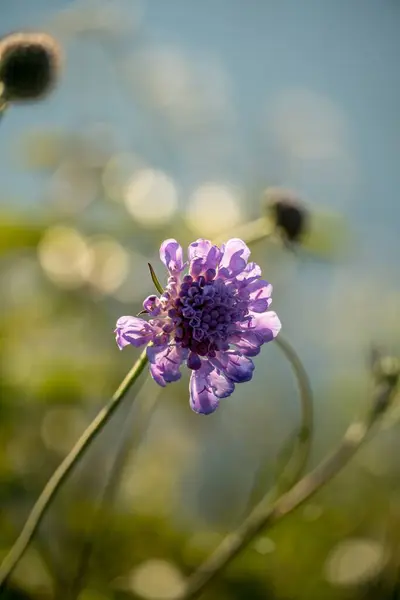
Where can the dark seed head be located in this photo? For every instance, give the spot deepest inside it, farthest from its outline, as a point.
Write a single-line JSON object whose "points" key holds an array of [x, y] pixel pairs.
{"points": [[288, 213], [29, 66]]}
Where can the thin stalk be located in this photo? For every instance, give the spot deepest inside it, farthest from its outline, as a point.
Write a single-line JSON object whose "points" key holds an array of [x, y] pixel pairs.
{"points": [[124, 449], [297, 461], [49, 492], [299, 457], [3, 101], [268, 515], [251, 232]]}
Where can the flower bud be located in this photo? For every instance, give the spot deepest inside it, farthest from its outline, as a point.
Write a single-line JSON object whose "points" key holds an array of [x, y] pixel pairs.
{"points": [[29, 66], [287, 212]]}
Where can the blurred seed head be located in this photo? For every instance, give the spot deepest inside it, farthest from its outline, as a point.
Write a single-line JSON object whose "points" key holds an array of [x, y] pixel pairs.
{"points": [[385, 367], [287, 212], [29, 66]]}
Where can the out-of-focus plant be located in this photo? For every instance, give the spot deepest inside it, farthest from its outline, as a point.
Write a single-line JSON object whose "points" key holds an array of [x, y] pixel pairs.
{"points": [[29, 67], [386, 372], [84, 267], [202, 256]]}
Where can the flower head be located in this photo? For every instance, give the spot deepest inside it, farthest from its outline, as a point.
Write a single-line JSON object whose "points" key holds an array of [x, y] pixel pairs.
{"points": [[213, 315], [29, 65], [288, 213]]}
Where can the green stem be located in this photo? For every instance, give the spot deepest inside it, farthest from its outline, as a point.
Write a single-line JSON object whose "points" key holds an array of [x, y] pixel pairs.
{"points": [[251, 232], [99, 522], [46, 497], [299, 457], [293, 467], [3, 101], [267, 515]]}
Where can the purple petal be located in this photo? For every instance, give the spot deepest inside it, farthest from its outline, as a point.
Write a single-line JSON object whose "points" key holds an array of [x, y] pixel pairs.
{"points": [[153, 305], [199, 249], [202, 397], [134, 331], [196, 267], [234, 259], [259, 295], [266, 325], [248, 343], [203, 256], [194, 361], [157, 375], [172, 256], [250, 273], [235, 366], [213, 258], [221, 385], [165, 362]]}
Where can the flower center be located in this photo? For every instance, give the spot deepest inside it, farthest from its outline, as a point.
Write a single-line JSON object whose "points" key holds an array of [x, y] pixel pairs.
{"points": [[205, 313]]}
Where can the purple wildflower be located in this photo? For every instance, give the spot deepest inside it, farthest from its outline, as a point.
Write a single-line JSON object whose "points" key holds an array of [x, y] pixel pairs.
{"points": [[215, 318]]}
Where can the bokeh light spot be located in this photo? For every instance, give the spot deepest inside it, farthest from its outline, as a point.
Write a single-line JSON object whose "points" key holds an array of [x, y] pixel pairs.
{"points": [[72, 188], [117, 174], [213, 208], [312, 512], [151, 198], [64, 256], [156, 580], [264, 545], [355, 561], [109, 264]]}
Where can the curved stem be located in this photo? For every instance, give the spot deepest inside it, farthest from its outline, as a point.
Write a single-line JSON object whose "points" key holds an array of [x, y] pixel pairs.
{"points": [[266, 516], [290, 474], [295, 465], [46, 497], [299, 457]]}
